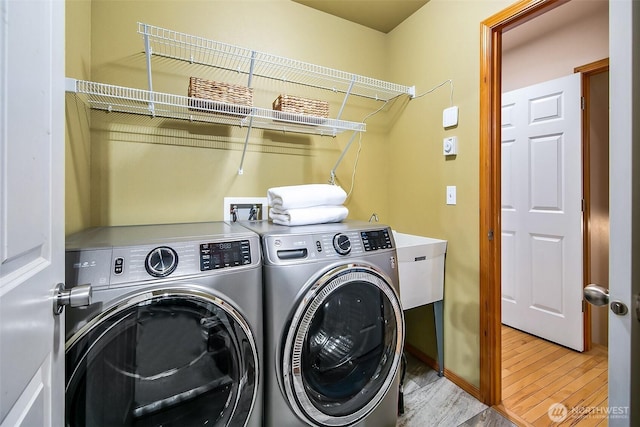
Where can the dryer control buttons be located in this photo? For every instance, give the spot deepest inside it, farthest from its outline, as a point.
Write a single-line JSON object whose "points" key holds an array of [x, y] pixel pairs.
{"points": [[161, 261], [342, 244]]}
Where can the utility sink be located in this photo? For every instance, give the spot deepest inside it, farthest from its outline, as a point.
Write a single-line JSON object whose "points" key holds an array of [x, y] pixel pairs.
{"points": [[421, 269]]}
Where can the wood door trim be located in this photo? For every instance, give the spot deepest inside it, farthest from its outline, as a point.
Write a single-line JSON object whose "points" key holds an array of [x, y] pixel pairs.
{"points": [[586, 71], [490, 232]]}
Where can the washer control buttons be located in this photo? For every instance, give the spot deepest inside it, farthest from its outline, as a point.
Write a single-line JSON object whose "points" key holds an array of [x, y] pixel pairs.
{"points": [[161, 261], [342, 244], [224, 254], [376, 239], [118, 267], [318, 246]]}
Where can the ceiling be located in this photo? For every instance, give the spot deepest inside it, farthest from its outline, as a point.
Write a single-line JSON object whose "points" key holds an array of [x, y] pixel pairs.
{"points": [[381, 15]]}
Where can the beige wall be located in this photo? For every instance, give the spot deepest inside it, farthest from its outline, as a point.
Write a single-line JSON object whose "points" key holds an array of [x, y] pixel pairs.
{"points": [[78, 146], [440, 42], [540, 50], [154, 170], [146, 170]]}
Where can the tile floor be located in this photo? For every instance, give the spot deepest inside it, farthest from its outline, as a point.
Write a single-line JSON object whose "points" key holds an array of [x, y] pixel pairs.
{"points": [[431, 401]]}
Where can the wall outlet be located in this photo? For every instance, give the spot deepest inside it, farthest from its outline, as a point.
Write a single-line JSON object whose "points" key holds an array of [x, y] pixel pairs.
{"points": [[244, 208]]}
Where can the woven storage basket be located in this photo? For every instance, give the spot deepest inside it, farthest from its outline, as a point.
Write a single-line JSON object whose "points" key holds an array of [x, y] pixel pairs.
{"points": [[301, 106], [229, 98]]}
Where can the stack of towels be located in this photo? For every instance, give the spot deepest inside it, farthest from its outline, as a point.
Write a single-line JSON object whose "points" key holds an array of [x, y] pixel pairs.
{"points": [[307, 204]]}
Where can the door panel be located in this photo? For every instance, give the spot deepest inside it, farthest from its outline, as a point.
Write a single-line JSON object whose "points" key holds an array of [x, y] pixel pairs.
{"points": [[624, 211], [31, 211], [542, 211]]}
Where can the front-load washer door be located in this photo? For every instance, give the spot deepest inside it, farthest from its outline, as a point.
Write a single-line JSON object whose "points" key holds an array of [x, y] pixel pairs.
{"points": [[344, 346], [172, 357]]}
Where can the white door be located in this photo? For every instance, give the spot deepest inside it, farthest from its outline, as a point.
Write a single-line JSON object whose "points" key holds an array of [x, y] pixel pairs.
{"points": [[542, 211], [31, 211], [624, 213]]}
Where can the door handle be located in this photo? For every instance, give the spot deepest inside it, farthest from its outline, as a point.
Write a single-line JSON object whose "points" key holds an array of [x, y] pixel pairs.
{"points": [[596, 295], [599, 296], [78, 296]]}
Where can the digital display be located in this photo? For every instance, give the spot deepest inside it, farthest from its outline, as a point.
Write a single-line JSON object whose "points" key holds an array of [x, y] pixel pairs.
{"points": [[224, 254], [376, 239]]}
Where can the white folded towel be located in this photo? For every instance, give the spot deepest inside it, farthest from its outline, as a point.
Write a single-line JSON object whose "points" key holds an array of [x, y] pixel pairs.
{"points": [[304, 196], [306, 216]]}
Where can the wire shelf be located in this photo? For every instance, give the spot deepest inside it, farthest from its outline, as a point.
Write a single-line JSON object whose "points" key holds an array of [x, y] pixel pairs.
{"points": [[198, 50], [107, 97]]}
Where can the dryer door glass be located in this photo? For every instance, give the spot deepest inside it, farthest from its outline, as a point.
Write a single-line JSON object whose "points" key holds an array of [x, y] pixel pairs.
{"points": [[170, 359], [346, 347]]}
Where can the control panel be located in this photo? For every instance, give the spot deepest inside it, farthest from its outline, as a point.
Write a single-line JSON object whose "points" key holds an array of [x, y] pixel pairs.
{"points": [[376, 239], [224, 254], [347, 243], [122, 265]]}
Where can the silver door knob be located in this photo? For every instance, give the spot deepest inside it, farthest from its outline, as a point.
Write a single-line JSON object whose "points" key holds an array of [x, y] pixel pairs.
{"points": [[596, 295], [599, 296], [78, 296]]}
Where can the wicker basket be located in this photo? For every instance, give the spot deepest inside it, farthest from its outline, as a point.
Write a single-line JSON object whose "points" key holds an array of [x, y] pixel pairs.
{"points": [[225, 98], [301, 106]]}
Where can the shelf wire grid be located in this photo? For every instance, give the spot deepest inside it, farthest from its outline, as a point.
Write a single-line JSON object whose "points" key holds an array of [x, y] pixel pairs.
{"points": [[107, 97], [199, 50]]}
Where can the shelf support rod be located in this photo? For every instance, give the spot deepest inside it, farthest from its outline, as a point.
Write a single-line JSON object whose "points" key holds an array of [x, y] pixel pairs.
{"points": [[246, 142], [251, 67], [246, 138], [147, 51], [332, 178], [346, 96]]}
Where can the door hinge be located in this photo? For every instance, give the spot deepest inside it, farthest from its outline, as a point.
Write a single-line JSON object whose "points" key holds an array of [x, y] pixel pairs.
{"points": [[583, 205], [582, 103], [490, 235]]}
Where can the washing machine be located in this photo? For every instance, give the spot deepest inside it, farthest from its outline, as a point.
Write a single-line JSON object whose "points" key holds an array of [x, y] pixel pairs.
{"points": [[173, 333], [334, 327]]}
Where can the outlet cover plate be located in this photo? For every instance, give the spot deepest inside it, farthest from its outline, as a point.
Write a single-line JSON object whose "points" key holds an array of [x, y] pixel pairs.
{"points": [[450, 117]]}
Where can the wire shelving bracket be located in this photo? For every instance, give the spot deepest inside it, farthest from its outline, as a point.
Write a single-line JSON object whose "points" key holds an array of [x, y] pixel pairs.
{"points": [[198, 50]]}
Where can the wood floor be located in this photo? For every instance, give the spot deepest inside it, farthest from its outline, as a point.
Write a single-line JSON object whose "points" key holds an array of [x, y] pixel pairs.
{"points": [[537, 374]]}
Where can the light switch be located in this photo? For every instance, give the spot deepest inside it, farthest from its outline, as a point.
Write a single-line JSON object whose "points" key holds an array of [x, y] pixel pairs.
{"points": [[451, 194]]}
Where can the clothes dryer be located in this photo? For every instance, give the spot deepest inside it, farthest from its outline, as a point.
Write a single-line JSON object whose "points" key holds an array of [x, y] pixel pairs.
{"points": [[334, 326], [173, 335]]}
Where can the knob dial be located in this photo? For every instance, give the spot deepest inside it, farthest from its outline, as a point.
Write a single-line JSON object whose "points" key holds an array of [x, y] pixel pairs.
{"points": [[161, 261], [342, 244]]}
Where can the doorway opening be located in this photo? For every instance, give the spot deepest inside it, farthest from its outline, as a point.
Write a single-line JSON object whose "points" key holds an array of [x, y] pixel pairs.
{"points": [[490, 190]]}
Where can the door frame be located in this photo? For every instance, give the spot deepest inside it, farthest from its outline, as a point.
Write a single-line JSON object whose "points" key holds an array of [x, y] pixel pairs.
{"points": [[586, 71], [490, 188]]}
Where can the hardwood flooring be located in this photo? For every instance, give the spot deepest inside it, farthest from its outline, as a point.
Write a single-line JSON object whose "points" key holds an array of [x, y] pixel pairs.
{"points": [[537, 374]]}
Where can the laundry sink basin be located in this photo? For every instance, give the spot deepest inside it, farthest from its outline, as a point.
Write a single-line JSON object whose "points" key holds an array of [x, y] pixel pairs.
{"points": [[421, 269]]}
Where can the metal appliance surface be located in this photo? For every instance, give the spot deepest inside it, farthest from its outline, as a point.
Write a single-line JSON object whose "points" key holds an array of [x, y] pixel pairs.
{"points": [[334, 327], [173, 334]]}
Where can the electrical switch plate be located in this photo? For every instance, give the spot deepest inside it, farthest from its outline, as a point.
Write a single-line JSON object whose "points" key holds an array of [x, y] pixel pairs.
{"points": [[450, 146], [451, 194], [244, 208], [450, 117]]}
